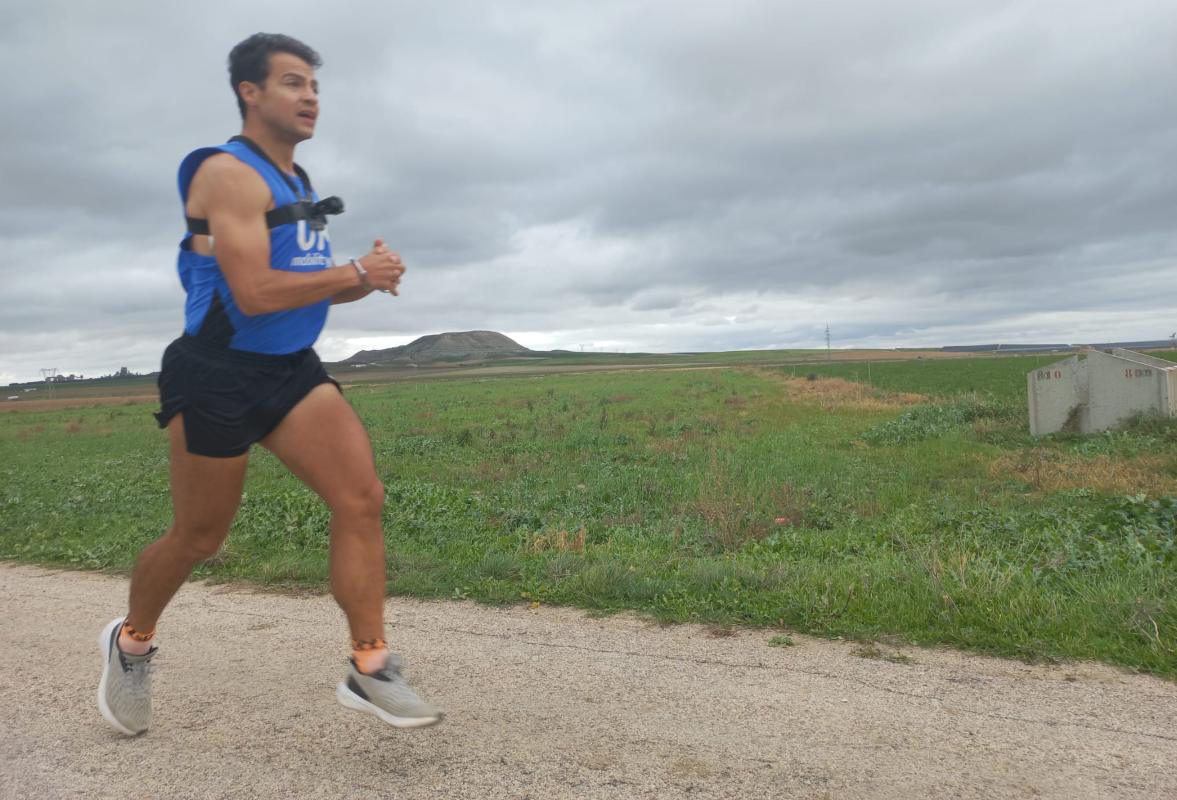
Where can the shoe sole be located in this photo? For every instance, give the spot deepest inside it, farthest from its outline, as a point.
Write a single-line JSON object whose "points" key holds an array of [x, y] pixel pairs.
{"points": [[104, 649], [349, 699]]}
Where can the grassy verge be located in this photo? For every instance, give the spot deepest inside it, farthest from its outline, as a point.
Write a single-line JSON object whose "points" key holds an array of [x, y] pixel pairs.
{"points": [[913, 506]]}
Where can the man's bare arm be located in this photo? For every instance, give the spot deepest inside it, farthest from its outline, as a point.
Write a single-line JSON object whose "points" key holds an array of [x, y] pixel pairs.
{"points": [[351, 295], [234, 198]]}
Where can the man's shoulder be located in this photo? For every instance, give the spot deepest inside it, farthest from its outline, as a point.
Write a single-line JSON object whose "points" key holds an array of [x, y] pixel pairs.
{"points": [[226, 171], [225, 165]]}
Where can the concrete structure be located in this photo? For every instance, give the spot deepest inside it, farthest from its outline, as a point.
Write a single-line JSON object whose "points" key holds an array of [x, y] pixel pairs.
{"points": [[1100, 391], [1058, 397]]}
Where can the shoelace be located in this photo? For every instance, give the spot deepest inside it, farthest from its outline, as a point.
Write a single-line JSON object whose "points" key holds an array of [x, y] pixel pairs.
{"points": [[128, 665], [139, 687]]}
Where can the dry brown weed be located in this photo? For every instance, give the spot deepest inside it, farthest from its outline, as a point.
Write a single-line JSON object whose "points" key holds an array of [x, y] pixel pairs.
{"points": [[561, 541], [837, 393], [1049, 471]]}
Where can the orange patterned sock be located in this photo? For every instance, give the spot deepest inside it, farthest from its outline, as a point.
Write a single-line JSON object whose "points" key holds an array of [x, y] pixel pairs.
{"points": [[133, 641], [369, 654]]}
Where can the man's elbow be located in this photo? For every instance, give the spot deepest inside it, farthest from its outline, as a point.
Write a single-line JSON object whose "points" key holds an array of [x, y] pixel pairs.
{"points": [[246, 305], [251, 304]]}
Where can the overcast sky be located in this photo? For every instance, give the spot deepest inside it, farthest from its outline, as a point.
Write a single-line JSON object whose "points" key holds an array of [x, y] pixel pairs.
{"points": [[652, 176]]}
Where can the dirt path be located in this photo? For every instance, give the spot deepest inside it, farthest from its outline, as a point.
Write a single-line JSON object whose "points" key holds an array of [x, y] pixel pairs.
{"points": [[549, 703], [18, 406]]}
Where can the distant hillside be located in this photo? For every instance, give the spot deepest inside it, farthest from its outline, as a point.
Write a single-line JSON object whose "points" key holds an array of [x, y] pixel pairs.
{"points": [[1156, 344], [442, 347]]}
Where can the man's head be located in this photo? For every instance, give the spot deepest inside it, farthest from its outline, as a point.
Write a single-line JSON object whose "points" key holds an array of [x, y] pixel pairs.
{"points": [[274, 75]]}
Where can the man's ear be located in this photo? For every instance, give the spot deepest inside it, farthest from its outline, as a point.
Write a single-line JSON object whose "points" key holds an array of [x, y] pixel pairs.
{"points": [[248, 90]]}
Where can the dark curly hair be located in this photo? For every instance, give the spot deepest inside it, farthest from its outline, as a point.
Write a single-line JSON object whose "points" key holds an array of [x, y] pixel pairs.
{"points": [[250, 59]]}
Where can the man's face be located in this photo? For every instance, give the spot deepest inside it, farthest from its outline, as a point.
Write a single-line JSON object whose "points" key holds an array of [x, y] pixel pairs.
{"points": [[288, 100]]}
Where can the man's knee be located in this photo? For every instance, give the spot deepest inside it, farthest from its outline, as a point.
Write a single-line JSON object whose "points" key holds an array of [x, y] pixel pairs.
{"points": [[200, 542], [363, 500]]}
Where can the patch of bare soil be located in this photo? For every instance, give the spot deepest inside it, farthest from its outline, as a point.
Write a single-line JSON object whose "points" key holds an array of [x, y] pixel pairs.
{"points": [[16, 406]]}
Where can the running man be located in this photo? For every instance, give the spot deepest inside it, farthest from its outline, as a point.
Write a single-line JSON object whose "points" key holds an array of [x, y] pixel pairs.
{"points": [[257, 268]]}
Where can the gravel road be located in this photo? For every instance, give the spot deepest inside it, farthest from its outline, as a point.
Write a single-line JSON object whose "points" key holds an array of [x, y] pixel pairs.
{"points": [[551, 703]]}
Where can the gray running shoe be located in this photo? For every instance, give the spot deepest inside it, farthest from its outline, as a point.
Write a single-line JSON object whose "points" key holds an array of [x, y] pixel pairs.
{"points": [[386, 695], [124, 693]]}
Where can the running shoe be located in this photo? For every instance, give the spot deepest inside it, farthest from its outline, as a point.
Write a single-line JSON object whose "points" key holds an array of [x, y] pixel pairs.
{"points": [[124, 693], [386, 694]]}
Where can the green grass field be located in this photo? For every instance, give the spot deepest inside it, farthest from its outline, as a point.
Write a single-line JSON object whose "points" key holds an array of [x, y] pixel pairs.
{"points": [[738, 495]]}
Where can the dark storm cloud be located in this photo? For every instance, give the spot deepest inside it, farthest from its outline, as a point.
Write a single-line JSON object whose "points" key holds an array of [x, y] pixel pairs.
{"points": [[639, 175]]}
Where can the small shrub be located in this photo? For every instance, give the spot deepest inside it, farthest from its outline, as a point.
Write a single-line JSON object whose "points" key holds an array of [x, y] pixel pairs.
{"points": [[498, 566], [931, 421], [563, 565], [1142, 529]]}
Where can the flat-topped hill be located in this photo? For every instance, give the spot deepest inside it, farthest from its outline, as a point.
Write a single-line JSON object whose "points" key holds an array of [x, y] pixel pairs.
{"points": [[457, 346]]}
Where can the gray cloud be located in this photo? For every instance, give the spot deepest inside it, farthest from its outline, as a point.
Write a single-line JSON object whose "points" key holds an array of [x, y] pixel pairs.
{"points": [[649, 175]]}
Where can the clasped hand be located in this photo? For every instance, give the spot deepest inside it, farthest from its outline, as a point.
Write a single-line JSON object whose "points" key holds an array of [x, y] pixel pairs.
{"points": [[384, 267]]}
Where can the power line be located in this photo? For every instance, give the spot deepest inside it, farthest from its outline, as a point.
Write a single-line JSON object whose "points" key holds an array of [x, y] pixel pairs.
{"points": [[47, 375]]}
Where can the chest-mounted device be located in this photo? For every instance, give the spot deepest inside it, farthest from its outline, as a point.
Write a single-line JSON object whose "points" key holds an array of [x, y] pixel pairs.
{"points": [[315, 213]]}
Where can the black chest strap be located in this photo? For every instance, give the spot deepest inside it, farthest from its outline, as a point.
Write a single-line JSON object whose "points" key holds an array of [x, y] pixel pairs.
{"points": [[305, 208]]}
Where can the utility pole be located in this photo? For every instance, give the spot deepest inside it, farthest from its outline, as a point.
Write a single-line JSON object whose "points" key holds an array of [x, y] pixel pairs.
{"points": [[47, 375]]}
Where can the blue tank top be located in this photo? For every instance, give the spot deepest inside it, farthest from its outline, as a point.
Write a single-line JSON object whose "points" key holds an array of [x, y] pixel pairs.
{"points": [[210, 313]]}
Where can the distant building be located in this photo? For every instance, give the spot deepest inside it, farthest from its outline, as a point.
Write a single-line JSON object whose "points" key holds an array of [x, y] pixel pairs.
{"points": [[1156, 344]]}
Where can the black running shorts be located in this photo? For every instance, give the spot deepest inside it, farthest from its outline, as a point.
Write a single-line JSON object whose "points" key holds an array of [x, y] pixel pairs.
{"points": [[231, 398]]}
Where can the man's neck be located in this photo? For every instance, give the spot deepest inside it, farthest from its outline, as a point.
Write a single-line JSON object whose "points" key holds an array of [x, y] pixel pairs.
{"points": [[280, 151]]}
